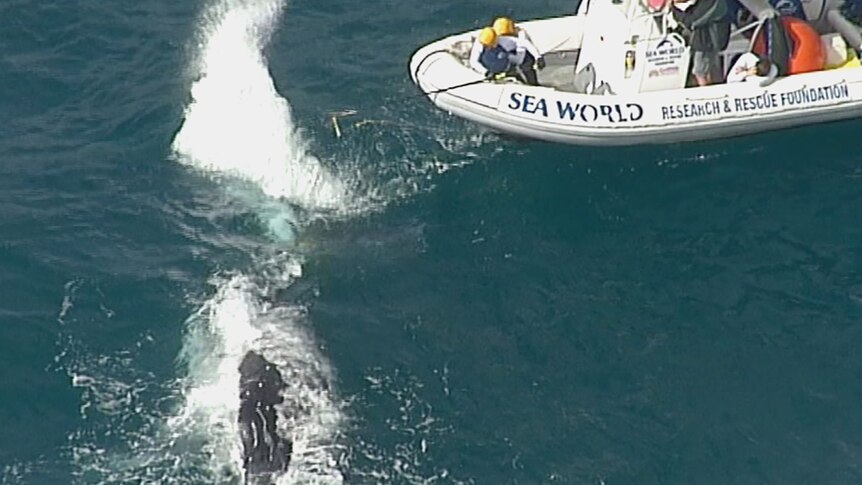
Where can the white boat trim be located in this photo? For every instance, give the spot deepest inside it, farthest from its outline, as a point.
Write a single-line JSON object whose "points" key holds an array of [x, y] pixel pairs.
{"points": [[665, 116]]}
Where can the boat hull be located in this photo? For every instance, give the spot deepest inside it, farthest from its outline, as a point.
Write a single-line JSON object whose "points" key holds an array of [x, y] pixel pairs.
{"points": [[670, 116]]}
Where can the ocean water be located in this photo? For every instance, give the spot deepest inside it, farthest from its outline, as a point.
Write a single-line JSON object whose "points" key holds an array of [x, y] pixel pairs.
{"points": [[447, 305]]}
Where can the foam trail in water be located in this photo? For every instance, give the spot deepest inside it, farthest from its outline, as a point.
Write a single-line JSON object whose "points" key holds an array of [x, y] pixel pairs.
{"points": [[238, 318], [238, 124], [189, 434]]}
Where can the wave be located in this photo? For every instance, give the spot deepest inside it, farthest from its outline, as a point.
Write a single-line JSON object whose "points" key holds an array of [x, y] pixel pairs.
{"points": [[237, 124], [143, 430], [240, 317], [238, 130]]}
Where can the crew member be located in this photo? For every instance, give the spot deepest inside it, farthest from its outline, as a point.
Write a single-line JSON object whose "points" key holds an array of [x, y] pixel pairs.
{"points": [[709, 28], [752, 68], [526, 56], [488, 56]]}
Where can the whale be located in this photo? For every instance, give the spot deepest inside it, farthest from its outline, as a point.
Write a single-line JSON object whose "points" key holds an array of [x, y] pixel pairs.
{"points": [[265, 453]]}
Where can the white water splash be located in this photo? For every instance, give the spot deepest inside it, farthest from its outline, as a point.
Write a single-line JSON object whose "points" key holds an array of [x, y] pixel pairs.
{"points": [[237, 124], [189, 434], [236, 319]]}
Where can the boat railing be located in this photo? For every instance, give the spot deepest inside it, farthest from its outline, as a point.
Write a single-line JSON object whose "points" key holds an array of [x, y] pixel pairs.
{"points": [[665, 23], [757, 26], [736, 46]]}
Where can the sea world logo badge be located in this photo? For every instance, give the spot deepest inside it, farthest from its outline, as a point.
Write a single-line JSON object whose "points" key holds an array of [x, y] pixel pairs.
{"points": [[579, 113], [665, 52]]}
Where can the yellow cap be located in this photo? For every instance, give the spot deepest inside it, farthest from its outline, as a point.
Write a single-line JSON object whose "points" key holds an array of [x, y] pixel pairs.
{"points": [[487, 37], [504, 26]]}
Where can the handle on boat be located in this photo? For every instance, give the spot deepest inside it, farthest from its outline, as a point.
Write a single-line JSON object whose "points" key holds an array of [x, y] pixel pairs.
{"points": [[438, 91]]}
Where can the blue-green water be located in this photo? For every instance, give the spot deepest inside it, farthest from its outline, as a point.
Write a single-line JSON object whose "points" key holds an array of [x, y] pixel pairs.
{"points": [[449, 306]]}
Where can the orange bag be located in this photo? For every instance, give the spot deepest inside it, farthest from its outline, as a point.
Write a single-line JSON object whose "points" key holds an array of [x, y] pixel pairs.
{"points": [[807, 55]]}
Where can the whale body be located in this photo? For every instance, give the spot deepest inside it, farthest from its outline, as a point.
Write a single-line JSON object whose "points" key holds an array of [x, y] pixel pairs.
{"points": [[265, 453]]}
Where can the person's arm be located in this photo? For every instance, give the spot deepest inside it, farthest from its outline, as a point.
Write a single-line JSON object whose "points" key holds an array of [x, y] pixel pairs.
{"points": [[681, 13], [706, 11], [529, 47], [475, 63], [739, 70]]}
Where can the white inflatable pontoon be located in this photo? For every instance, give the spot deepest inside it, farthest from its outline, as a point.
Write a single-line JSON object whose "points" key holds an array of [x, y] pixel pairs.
{"points": [[646, 101]]}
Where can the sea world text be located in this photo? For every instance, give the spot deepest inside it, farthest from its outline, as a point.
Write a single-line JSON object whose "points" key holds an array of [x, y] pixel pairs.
{"points": [[578, 112], [764, 101]]}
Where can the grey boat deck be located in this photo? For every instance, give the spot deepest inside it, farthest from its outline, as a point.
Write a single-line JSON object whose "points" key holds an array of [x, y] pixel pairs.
{"points": [[559, 71]]}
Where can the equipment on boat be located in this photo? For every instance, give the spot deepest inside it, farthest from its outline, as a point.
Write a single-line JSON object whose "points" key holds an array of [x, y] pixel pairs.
{"points": [[617, 73]]}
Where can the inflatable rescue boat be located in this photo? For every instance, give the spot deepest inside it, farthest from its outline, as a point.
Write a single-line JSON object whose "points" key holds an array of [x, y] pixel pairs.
{"points": [[630, 49]]}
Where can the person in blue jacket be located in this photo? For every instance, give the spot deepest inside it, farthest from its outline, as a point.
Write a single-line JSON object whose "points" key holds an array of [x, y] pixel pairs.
{"points": [[488, 56], [526, 56]]}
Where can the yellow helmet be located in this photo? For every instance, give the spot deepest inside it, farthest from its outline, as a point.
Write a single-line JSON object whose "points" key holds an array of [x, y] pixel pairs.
{"points": [[487, 37], [504, 26]]}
